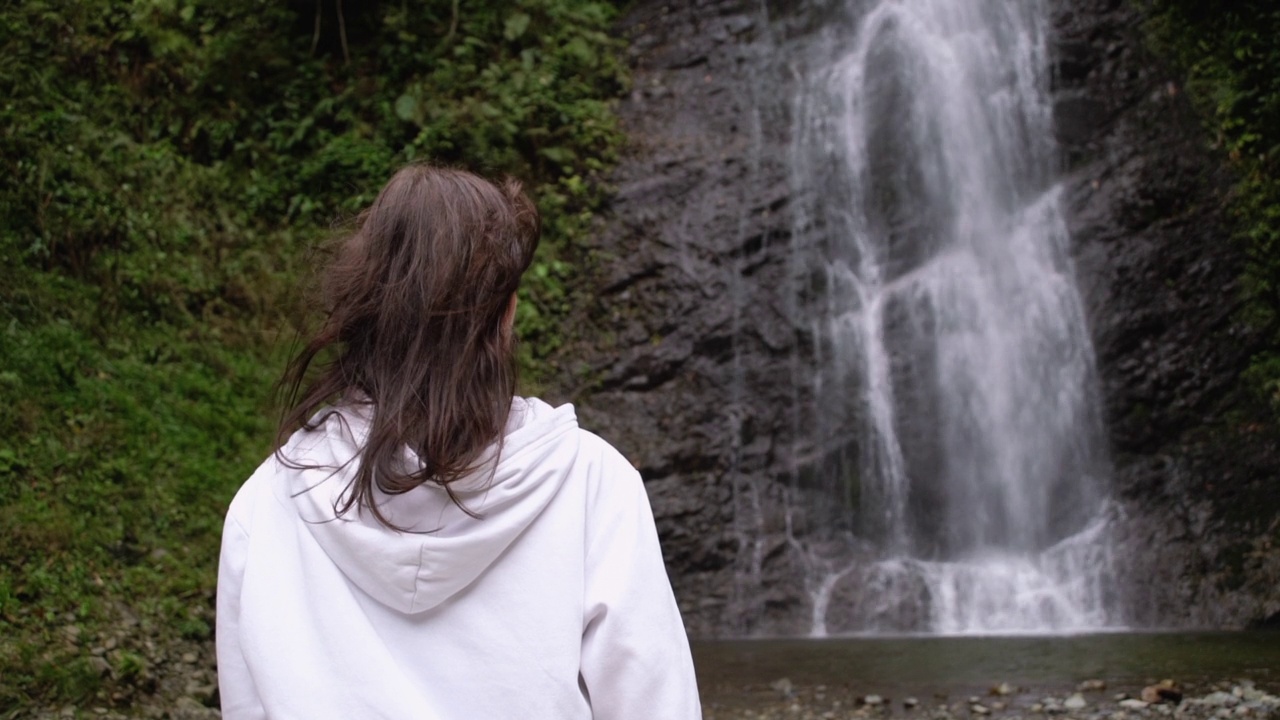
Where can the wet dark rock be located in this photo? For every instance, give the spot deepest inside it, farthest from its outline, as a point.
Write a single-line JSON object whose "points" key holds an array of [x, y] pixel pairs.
{"points": [[1271, 622], [1166, 691], [1078, 117], [688, 362], [1160, 277]]}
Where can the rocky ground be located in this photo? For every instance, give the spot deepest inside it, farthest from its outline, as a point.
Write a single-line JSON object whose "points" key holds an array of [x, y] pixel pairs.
{"points": [[187, 693], [1092, 700]]}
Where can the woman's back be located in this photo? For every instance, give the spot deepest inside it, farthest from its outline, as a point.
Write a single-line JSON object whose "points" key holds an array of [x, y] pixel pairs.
{"points": [[459, 617], [426, 546]]}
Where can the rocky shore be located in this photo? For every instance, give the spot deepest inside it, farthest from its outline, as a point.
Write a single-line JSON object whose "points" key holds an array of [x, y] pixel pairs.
{"points": [[784, 700], [1091, 700]]}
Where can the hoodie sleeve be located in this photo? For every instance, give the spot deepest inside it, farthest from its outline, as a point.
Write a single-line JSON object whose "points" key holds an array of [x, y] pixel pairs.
{"points": [[236, 689], [635, 655]]}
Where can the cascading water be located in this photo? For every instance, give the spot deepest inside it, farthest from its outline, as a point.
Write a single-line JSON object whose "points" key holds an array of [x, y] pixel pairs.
{"points": [[956, 405]]}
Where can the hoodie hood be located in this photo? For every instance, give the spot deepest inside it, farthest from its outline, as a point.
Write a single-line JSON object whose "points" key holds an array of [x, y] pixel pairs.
{"points": [[442, 550]]}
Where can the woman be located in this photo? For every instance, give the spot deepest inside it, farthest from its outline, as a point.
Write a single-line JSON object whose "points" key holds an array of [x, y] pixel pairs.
{"points": [[427, 545]]}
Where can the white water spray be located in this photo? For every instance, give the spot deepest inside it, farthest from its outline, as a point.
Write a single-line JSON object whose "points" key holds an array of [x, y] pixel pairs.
{"points": [[955, 358]]}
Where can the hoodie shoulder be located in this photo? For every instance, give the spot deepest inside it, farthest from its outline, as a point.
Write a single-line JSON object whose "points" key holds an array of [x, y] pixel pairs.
{"points": [[611, 479], [597, 448], [241, 510]]}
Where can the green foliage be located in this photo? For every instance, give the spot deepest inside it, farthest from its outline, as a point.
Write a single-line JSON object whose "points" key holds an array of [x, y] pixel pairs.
{"points": [[528, 92], [1231, 56], [164, 166]]}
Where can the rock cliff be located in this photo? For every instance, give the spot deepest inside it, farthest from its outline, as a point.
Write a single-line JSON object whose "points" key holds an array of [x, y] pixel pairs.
{"points": [[690, 351], [691, 356]]}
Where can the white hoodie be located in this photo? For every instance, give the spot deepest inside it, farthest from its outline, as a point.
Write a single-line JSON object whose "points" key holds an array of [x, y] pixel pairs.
{"points": [[553, 604]]}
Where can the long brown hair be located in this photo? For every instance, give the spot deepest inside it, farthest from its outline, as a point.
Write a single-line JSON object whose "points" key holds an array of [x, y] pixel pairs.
{"points": [[415, 300]]}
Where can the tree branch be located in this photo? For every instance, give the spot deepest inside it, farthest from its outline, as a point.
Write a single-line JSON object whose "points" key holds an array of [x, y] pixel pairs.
{"points": [[342, 33]]}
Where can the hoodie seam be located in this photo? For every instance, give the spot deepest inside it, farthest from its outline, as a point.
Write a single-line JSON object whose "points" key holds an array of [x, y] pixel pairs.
{"points": [[561, 427], [417, 579], [233, 520]]}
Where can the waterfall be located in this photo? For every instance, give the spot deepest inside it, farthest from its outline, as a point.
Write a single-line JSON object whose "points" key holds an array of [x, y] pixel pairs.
{"points": [[956, 413]]}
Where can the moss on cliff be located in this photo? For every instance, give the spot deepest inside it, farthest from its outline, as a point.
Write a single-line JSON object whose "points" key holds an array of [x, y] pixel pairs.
{"points": [[1230, 56]]}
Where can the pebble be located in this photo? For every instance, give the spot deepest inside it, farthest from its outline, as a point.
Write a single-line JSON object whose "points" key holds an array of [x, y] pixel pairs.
{"points": [[873, 700], [1252, 694], [188, 709], [1003, 688], [1133, 704], [1163, 691], [189, 658], [1075, 702], [979, 710], [99, 665], [1220, 699], [1093, 685]]}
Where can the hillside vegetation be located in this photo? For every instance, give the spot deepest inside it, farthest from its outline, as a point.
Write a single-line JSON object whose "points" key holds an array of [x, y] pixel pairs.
{"points": [[1229, 54], [166, 167]]}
